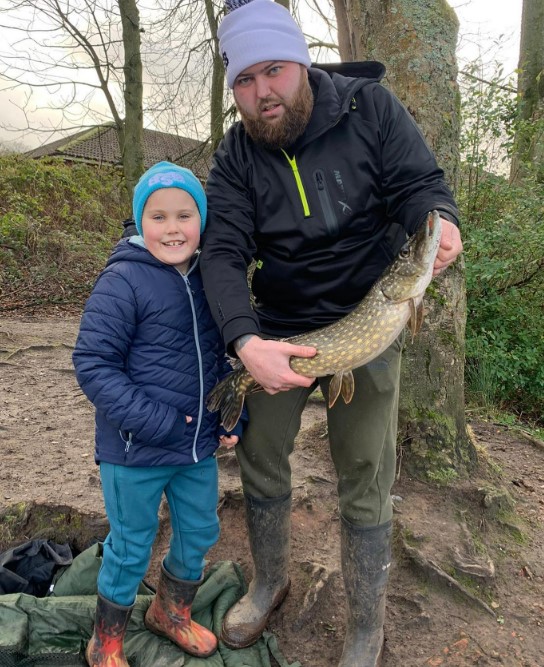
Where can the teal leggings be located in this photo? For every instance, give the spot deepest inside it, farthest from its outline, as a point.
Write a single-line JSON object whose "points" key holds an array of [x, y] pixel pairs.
{"points": [[132, 497], [362, 437]]}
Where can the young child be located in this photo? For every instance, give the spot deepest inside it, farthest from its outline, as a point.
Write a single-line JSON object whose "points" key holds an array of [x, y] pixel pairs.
{"points": [[147, 354]]}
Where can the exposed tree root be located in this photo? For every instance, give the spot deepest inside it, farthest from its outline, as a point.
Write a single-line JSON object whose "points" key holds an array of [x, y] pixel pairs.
{"points": [[434, 572], [469, 562], [530, 438]]}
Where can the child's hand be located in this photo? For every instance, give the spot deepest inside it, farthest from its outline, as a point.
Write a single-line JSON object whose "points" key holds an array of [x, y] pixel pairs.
{"points": [[229, 441]]}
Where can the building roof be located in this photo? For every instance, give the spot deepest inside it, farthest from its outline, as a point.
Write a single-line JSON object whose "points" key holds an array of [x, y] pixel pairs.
{"points": [[100, 145]]}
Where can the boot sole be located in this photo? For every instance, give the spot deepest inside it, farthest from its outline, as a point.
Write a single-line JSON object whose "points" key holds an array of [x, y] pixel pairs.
{"points": [[254, 637]]}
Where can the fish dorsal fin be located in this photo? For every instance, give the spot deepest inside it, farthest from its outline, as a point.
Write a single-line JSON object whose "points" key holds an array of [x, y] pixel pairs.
{"points": [[341, 383], [417, 315]]}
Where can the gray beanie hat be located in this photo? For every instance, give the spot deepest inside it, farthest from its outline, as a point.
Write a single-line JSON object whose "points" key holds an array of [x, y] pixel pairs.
{"points": [[256, 31]]}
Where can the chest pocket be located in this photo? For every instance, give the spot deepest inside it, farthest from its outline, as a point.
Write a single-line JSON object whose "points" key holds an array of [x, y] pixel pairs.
{"points": [[323, 194]]}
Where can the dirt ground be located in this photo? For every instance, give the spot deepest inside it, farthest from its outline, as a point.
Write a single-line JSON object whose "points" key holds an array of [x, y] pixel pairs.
{"points": [[468, 577]]}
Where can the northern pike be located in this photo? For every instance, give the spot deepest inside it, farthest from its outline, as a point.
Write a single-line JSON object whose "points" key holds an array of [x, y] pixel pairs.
{"points": [[393, 301]]}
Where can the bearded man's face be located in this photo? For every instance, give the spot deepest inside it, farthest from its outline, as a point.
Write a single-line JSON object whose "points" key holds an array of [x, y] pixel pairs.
{"points": [[275, 102]]}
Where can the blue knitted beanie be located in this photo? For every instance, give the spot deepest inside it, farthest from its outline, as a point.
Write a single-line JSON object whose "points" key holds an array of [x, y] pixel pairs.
{"points": [[167, 175]]}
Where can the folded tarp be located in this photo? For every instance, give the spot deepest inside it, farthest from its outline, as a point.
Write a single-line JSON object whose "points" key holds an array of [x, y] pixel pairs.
{"points": [[40, 632]]}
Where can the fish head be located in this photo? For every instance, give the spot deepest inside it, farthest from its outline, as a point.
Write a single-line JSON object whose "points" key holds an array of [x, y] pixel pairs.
{"points": [[412, 270]]}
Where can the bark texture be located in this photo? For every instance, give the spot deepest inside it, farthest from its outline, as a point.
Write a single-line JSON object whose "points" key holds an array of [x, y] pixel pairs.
{"points": [[529, 151], [416, 40], [131, 130], [218, 81]]}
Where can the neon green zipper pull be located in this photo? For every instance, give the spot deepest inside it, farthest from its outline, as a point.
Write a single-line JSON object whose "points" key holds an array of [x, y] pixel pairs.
{"points": [[298, 180]]}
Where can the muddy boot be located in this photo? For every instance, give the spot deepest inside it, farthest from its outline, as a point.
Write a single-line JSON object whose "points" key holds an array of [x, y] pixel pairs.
{"points": [[269, 525], [169, 615], [366, 558], [105, 649]]}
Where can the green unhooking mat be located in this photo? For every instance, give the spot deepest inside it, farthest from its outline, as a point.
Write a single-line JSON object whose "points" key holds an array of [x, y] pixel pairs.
{"points": [[54, 630]]}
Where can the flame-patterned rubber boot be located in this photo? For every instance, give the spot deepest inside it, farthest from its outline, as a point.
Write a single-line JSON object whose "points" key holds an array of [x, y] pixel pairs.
{"points": [[169, 615], [105, 649]]}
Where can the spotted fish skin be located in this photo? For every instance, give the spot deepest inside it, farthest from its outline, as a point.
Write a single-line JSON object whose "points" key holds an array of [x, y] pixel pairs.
{"points": [[353, 341]]}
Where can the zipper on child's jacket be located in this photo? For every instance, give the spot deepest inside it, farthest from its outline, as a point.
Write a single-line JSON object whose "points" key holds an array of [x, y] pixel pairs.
{"points": [[200, 364], [128, 442]]}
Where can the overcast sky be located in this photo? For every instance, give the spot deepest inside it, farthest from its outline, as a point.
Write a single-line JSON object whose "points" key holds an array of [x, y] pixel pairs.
{"points": [[488, 28], [486, 23]]}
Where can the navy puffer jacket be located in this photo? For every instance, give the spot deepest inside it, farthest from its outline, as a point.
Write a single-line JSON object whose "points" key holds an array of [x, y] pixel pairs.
{"points": [[147, 354]]}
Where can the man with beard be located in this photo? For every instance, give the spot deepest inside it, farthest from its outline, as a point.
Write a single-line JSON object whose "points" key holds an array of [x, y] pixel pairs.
{"points": [[319, 184]]}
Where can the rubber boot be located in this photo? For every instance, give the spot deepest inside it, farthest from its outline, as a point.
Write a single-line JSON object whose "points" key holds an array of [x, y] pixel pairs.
{"points": [[366, 559], [269, 527], [169, 615], [105, 649]]}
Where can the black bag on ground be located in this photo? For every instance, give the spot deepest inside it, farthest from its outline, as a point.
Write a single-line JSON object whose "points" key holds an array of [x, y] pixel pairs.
{"points": [[30, 567]]}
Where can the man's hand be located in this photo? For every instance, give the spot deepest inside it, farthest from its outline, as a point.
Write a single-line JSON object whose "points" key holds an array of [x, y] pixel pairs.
{"points": [[268, 362], [450, 246]]}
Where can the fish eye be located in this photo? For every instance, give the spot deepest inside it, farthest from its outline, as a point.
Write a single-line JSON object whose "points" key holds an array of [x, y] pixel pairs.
{"points": [[405, 252]]}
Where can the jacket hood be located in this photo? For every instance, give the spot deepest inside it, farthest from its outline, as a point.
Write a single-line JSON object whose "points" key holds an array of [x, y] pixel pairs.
{"points": [[131, 250], [334, 86]]}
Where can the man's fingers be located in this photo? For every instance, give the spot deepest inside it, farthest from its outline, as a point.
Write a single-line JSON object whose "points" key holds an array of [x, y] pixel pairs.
{"points": [[302, 351]]}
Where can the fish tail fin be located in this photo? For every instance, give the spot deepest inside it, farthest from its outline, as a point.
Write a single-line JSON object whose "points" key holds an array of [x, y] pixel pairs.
{"points": [[228, 397]]}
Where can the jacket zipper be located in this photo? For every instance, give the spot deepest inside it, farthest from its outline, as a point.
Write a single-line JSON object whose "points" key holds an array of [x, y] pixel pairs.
{"points": [[200, 365], [300, 186], [324, 199], [127, 442]]}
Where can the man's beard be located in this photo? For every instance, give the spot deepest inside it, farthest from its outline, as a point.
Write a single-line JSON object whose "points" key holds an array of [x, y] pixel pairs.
{"points": [[290, 126]]}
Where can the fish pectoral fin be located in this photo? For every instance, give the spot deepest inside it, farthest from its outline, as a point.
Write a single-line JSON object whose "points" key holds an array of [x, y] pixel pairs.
{"points": [[348, 386], [335, 387], [417, 315]]}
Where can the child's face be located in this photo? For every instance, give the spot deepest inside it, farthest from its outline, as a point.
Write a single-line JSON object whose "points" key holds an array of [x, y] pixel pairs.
{"points": [[171, 227]]}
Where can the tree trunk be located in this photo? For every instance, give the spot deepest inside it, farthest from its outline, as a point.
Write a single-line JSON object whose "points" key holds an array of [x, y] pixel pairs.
{"points": [[529, 151], [218, 81], [416, 40], [346, 46], [131, 135]]}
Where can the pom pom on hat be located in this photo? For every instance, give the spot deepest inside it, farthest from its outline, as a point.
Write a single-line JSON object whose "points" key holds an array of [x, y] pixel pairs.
{"points": [[255, 31], [167, 175]]}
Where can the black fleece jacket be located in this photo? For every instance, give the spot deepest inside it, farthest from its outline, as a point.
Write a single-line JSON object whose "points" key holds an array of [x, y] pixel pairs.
{"points": [[322, 218]]}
